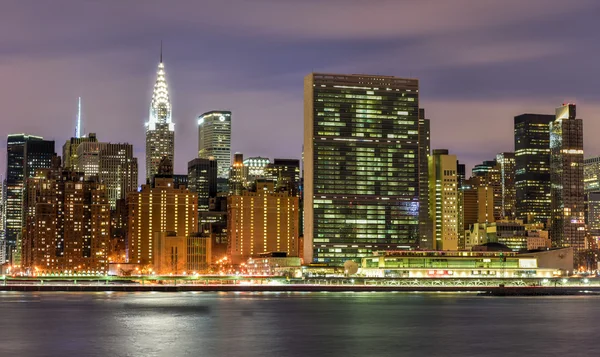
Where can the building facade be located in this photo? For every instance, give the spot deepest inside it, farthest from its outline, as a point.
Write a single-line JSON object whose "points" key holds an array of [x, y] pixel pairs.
{"points": [[567, 227], [591, 174], [532, 167], [214, 139], [160, 129], [425, 224], [361, 165], [286, 175], [202, 180], [67, 226], [262, 221], [506, 164], [69, 150], [238, 175], [443, 205], [256, 167], [113, 165], [593, 215], [158, 208], [488, 174], [25, 155]]}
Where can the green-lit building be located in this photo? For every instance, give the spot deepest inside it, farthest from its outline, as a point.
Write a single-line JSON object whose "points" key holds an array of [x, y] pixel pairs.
{"points": [[481, 264], [361, 166]]}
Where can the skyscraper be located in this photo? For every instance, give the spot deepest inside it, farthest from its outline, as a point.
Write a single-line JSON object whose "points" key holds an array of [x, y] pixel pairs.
{"points": [[488, 174], [25, 155], [214, 139], [361, 165], [286, 175], [461, 172], [591, 174], [238, 175], [202, 180], [532, 167], [567, 227], [160, 129], [70, 149], [425, 224], [506, 163], [443, 206], [113, 164], [591, 187]]}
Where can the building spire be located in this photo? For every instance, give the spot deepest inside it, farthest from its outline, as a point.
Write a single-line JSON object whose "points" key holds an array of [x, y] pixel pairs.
{"points": [[160, 51], [78, 125]]}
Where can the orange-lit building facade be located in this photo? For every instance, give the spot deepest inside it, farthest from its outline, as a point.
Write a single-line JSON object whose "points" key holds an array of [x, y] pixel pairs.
{"points": [[262, 221], [67, 224], [158, 208]]}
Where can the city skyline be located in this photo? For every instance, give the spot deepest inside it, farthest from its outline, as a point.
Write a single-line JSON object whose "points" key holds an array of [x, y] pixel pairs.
{"points": [[500, 77]]}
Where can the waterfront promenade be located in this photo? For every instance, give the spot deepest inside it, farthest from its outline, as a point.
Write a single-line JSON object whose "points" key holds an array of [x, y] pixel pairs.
{"points": [[492, 286]]}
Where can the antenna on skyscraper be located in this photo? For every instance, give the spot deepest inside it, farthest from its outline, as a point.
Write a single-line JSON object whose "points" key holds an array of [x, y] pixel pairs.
{"points": [[78, 125]]}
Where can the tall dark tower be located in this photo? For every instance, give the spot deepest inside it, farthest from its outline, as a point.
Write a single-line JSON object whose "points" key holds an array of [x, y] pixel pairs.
{"points": [[425, 225], [567, 227], [25, 155], [532, 167]]}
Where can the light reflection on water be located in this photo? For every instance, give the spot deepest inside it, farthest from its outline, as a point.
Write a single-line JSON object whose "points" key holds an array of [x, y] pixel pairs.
{"points": [[294, 324]]}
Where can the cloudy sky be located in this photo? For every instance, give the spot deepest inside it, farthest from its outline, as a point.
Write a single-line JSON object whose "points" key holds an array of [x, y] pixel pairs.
{"points": [[479, 62]]}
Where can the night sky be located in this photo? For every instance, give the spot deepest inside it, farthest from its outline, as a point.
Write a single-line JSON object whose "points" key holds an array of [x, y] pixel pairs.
{"points": [[479, 62]]}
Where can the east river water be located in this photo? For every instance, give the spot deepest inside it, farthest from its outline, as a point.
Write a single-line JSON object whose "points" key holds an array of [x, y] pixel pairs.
{"points": [[296, 324]]}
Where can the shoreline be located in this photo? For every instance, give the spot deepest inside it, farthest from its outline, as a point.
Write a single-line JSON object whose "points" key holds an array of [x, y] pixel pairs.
{"points": [[480, 290]]}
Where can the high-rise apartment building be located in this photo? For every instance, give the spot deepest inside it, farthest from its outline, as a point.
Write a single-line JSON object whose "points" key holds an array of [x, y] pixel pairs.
{"points": [[286, 175], [532, 167], [262, 221], [443, 206], [238, 175], [160, 129], [214, 139], [461, 171], [361, 165], [70, 149], [506, 164], [256, 167], [202, 180], [567, 228], [477, 203], [591, 186], [155, 209], [425, 224], [25, 155], [489, 174], [593, 215], [591, 174], [113, 165], [67, 225]]}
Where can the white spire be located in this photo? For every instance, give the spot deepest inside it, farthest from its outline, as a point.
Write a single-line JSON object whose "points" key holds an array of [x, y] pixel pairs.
{"points": [[78, 125], [160, 107]]}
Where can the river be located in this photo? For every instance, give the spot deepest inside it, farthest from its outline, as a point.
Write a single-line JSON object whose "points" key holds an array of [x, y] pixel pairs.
{"points": [[295, 324]]}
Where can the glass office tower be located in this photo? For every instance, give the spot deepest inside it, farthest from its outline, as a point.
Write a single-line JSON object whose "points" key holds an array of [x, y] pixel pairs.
{"points": [[567, 227], [25, 155], [361, 166], [532, 167], [214, 139]]}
